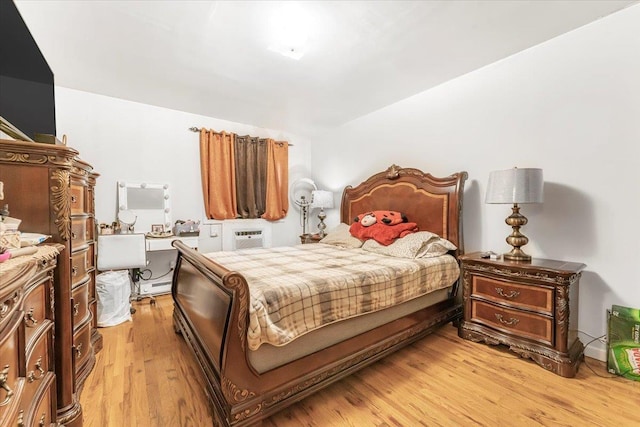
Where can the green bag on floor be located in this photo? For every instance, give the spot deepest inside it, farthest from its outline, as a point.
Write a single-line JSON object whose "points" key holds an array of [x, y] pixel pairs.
{"points": [[623, 355]]}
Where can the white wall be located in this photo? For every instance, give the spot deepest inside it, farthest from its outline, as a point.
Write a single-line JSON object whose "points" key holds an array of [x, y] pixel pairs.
{"points": [[129, 141], [570, 106]]}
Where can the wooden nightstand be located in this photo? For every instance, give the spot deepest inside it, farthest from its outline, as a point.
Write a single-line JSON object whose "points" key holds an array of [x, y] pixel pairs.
{"points": [[310, 238], [530, 307]]}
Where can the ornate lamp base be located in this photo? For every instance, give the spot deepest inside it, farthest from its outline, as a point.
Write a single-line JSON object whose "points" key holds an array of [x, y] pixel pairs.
{"points": [[516, 239], [322, 226]]}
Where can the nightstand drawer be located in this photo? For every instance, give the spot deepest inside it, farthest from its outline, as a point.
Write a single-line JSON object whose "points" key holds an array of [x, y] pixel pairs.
{"points": [[537, 298], [536, 327]]}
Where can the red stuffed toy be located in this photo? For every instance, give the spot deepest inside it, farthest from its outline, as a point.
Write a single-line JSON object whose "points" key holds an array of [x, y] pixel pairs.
{"points": [[387, 226]]}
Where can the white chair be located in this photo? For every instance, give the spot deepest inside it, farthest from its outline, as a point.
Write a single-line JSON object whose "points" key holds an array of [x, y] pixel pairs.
{"points": [[123, 252]]}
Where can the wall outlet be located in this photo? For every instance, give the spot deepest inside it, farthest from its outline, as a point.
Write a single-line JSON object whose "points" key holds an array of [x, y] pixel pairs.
{"points": [[603, 340]]}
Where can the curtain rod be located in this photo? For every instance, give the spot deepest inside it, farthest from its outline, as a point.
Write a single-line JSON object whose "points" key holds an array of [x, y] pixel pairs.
{"points": [[196, 129]]}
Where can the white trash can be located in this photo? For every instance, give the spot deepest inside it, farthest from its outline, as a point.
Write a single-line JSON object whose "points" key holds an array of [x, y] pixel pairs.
{"points": [[113, 290]]}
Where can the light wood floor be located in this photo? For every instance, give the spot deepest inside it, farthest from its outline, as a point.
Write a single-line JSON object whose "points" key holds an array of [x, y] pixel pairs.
{"points": [[146, 376]]}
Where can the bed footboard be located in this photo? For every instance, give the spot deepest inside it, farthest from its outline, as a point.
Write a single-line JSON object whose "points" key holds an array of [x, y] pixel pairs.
{"points": [[211, 312]]}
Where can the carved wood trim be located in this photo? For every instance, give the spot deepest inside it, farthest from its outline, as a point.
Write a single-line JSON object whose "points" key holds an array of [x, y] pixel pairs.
{"points": [[38, 159], [60, 201], [510, 274], [238, 284], [562, 310], [59, 161], [393, 172], [466, 283], [36, 153], [9, 303]]}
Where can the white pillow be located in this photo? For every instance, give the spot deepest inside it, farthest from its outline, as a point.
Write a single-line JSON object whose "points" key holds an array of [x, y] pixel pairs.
{"points": [[340, 236], [422, 244]]}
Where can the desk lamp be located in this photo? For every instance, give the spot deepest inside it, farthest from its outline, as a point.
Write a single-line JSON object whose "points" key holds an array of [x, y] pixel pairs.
{"points": [[324, 200], [515, 186]]}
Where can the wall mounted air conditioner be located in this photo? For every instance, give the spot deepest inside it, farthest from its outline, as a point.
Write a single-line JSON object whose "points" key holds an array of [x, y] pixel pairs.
{"points": [[234, 234], [247, 239]]}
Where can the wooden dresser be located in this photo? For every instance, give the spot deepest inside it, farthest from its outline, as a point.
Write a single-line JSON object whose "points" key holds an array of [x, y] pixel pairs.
{"points": [[531, 307], [27, 377], [51, 190]]}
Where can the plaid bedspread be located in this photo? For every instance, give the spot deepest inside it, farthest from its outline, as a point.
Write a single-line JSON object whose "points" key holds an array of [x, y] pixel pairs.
{"points": [[296, 289]]}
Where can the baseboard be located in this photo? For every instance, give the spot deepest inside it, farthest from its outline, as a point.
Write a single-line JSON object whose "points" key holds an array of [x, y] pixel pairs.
{"points": [[599, 353]]}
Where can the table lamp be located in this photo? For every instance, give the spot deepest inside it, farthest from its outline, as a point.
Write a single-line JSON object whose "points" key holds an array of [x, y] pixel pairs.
{"points": [[515, 186], [324, 200]]}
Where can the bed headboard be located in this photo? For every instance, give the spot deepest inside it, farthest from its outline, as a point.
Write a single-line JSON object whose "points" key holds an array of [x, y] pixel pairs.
{"points": [[435, 204]]}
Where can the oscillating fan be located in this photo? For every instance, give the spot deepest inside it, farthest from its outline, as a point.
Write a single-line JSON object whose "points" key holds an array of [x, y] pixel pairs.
{"points": [[300, 194]]}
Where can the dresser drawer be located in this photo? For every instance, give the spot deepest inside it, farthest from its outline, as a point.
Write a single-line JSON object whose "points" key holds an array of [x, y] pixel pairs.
{"points": [[80, 303], [536, 298], [520, 323], [37, 309], [38, 363], [82, 345], [79, 264], [77, 199], [11, 385], [79, 233], [40, 411]]}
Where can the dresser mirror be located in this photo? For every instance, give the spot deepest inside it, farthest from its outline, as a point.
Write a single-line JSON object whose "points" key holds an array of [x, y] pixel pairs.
{"points": [[148, 202]]}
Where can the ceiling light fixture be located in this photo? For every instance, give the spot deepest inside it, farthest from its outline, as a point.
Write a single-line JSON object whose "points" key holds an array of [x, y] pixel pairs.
{"points": [[290, 31]]}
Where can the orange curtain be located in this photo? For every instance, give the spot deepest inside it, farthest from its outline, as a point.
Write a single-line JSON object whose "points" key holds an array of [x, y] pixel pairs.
{"points": [[217, 166], [277, 203]]}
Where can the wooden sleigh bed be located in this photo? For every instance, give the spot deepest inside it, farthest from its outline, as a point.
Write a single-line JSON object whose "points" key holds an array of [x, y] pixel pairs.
{"points": [[212, 310]]}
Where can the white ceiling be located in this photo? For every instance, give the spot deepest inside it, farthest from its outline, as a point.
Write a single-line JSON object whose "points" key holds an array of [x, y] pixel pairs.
{"points": [[212, 57]]}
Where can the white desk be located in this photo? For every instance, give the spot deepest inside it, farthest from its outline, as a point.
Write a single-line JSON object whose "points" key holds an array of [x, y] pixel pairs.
{"points": [[161, 260], [163, 244]]}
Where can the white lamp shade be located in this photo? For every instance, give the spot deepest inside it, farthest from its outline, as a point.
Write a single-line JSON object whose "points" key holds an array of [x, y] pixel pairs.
{"points": [[515, 186], [322, 199]]}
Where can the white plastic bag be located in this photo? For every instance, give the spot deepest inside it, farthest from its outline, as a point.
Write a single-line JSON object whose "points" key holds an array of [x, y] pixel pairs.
{"points": [[113, 289]]}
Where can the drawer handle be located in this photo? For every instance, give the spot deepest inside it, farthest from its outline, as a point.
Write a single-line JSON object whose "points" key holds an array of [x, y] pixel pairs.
{"points": [[74, 236], [29, 320], [79, 350], [4, 376], [511, 322], [76, 308], [74, 270], [74, 199], [511, 294], [32, 375]]}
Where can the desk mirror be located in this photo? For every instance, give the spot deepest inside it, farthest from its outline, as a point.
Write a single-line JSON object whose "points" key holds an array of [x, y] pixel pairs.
{"points": [[150, 203]]}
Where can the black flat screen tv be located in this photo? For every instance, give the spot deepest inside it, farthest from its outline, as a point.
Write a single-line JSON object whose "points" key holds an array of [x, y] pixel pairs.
{"points": [[27, 98]]}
